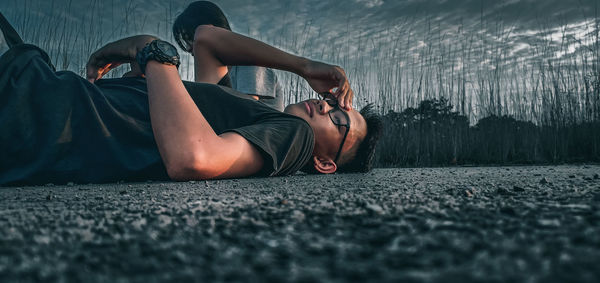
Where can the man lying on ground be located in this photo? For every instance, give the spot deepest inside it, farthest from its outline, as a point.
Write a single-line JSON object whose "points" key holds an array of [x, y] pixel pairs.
{"points": [[57, 127]]}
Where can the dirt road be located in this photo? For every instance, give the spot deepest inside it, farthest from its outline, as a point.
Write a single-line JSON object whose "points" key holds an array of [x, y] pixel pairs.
{"points": [[497, 224]]}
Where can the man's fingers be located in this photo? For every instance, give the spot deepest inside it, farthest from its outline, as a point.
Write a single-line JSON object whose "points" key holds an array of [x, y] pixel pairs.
{"points": [[92, 64], [347, 101], [93, 67], [342, 93], [345, 96], [343, 88], [91, 72], [349, 97], [92, 76], [341, 98], [96, 72]]}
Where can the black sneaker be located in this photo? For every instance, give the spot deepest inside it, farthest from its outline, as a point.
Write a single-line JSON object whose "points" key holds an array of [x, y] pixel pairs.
{"points": [[11, 37]]}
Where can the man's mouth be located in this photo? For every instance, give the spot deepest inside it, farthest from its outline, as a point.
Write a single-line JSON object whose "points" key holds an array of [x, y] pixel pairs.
{"points": [[308, 109]]}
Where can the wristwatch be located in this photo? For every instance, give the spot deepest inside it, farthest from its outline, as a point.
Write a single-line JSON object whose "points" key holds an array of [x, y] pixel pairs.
{"points": [[160, 51]]}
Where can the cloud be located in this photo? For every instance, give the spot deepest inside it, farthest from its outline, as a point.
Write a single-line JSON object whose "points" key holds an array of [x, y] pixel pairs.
{"points": [[370, 3]]}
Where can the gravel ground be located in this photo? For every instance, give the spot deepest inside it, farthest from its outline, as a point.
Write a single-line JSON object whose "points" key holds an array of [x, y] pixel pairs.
{"points": [[495, 224]]}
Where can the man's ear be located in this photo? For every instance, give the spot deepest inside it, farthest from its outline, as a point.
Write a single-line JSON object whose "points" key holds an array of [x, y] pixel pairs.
{"points": [[324, 165]]}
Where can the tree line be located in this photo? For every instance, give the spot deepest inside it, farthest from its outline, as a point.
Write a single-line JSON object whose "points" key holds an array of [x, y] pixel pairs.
{"points": [[434, 135]]}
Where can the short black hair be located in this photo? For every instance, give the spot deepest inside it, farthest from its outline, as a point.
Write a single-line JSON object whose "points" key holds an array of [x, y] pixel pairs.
{"points": [[365, 154], [196, 14]]}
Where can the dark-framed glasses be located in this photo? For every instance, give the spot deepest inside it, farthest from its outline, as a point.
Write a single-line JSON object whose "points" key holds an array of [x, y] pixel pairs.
{"points": [[339, 117]]}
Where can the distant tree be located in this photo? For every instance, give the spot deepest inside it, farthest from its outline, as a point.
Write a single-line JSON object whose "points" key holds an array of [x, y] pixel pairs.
{"points": [[430, 134], [434, 109]]}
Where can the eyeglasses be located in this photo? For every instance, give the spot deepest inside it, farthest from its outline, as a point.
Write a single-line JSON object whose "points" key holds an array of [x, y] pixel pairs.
{"points": [[339, 118]]}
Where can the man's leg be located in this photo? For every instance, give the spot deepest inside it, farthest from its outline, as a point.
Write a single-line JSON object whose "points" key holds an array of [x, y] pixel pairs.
{"points": [[9, 38]]}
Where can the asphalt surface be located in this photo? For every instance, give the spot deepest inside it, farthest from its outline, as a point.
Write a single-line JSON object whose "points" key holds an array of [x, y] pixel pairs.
{"points": [[496, 224]]}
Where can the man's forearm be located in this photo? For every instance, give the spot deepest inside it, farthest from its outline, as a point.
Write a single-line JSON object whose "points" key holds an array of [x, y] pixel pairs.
{"points": [[215, 48], [187, 143], [180, 129], [234, 49]]}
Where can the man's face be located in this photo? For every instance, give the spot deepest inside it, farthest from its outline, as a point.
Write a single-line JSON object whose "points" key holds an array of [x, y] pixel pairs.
{"points": [[328, 135]]}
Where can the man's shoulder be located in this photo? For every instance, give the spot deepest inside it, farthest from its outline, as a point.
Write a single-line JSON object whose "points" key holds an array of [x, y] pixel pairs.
{"points": [[286, 142]]}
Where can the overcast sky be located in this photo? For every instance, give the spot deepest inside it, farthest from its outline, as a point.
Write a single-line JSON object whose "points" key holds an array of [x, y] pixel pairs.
{"points": [[367, 37]]}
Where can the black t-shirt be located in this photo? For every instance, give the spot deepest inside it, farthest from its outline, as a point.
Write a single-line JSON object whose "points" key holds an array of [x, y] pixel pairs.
{"points": [[57, 127]]}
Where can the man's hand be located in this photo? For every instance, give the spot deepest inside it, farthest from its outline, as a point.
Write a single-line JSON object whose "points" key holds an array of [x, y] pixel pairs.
{"points": [[325, 78], [114, 54]]}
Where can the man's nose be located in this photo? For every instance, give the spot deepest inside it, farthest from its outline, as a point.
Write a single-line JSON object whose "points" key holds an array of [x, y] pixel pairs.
{"points": [[323, 106]]}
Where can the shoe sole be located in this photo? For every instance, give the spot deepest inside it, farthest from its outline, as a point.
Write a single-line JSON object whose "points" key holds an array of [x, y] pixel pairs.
{"points": [[11, 36]]}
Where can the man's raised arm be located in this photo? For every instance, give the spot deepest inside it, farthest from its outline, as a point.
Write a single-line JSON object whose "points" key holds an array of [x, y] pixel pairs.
{"points": [[214, 48]]}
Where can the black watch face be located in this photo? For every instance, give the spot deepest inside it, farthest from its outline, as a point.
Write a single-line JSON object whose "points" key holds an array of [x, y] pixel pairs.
{"points": [[166, 48]]}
